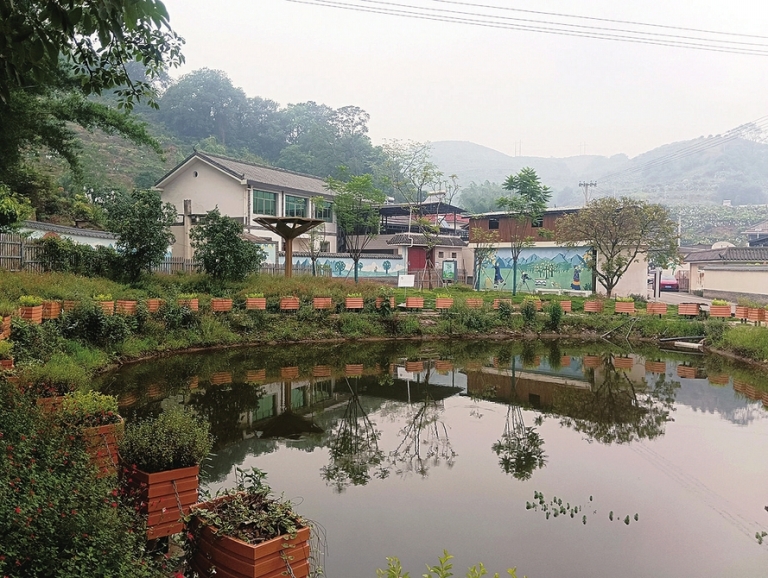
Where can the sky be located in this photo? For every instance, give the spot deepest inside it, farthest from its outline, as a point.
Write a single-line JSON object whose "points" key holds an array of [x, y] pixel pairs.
{"points": [[518, 92]]}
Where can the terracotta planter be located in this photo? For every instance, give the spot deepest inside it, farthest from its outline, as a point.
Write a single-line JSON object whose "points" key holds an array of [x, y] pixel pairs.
{"points": [[223, 556], [127, 400], [566, 306], [321, 371], [125, 307], [6, 363], [221, 378], [380, 302], [289, 304], [256, 303], [656, 309], [221, 305], [414, 302], [719, 310], [739, 385], [592, 361], [593, 306], [656, 367], [718, 379], [108, 307], [153, 305], [6, 327], [32, 314], [443, 365], [256, 376], [353, 370], [101, 443], [191, 304], [49, 404], [756, 314], [353, 303], [289, 372], [51, 309], [68, 305], [742, 312], [565, 361], [688, 309], [164, 498], [497, 302], [474, 303], [626, 307], [322, 303], [538, 304], [414, 366], [623, 362], [443, 302], [194, 382], [686, 372]]}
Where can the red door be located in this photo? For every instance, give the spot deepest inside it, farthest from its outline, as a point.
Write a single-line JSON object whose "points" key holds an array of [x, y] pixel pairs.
{"points": [[417, 258]]}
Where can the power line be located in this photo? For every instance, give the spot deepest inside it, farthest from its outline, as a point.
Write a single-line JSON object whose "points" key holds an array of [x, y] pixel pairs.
{"points": [[482, 20]]}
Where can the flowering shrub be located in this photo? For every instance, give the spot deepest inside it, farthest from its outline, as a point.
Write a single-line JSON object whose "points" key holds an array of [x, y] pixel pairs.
{"points": [[30, 301], [88, 409]]}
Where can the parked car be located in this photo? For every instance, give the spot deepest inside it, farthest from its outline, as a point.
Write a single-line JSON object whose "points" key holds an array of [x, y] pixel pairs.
{"points": [[668, 283]]}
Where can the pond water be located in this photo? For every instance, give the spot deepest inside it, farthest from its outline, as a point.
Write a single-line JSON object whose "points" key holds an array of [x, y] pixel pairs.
{"points": [[561, 459]]}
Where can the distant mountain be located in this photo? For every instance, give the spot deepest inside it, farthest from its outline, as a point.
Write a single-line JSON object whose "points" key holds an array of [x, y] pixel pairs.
{"points": [[703, 170]]}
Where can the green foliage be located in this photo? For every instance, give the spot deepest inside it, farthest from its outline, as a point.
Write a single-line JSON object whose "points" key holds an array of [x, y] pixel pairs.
{"points": [[6, 347], [174, 439], [88, 409], [443, 569], [35, 342], [142, 223], [746, 340], [176, 317], [357, 325], [66, 256], [528, 312], [719, 302], [90, 324], [13, 209], [30, 301], [221, 251], [625, 299], [505, 310], [60, 376], [555, 312], [103, 297]]}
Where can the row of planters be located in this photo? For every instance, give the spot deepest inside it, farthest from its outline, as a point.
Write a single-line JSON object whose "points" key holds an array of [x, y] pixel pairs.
{"points": [[240, 532]]}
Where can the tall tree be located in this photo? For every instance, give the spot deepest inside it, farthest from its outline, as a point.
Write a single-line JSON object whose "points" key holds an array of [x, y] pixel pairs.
{"points": [[356, 205], [524, 207], [619, 232], [142, 223]]}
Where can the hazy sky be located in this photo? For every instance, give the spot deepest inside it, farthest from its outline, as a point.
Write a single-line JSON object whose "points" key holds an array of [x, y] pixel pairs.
{"points": [[431, 81]]}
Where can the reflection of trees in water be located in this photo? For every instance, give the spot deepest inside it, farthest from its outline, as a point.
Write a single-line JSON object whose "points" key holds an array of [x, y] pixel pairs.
{"points": [[354, 447], [613, 410], [520, 448], [223, 406]]}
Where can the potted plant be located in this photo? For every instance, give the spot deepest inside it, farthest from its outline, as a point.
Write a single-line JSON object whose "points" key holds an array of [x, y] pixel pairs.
{"points": [[6, 357], [443, 302], [497, 302], [624, 305], [50, 383], [756, 314], [688, 309], [354, 301], [160, 464], [154, 304], [656, 308], [474, 302], [6, 310], [51, 309], [101, 426], [188, 300], [221, 304], [566, 306], [720, 308], [255, 301], [414, 302], [290, 303], [385, 294], [244, 531], [322, 302], [126, 306], [106, 303], [31, 309], [594, 306], [742, 310]]}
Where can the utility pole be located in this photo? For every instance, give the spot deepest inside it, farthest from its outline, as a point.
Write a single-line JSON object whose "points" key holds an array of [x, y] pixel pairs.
{"points": [[585, 185]]}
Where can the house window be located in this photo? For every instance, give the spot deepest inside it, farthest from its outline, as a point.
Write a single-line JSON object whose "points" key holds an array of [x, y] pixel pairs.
{"points": [[325, 246], [453, 255], [324, 211], [295, 206], [440, 255], [264, 203], [493, 224], [537, 222]]}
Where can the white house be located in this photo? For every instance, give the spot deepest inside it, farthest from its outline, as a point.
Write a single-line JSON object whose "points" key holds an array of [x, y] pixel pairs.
{"points": [[244, 191]]}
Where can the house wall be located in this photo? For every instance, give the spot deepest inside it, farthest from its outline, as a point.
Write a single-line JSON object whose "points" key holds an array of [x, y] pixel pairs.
{"points": [[507, 226], [731, 281], [80, 238], [343, 267], [633, 282]]}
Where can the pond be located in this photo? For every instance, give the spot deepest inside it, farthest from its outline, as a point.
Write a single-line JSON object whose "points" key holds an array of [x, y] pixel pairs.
{"points": [[561, 459]]}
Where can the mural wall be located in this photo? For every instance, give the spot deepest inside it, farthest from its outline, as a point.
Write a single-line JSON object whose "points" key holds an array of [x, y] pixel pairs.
{"points": [[538, 268], [368, 267]]}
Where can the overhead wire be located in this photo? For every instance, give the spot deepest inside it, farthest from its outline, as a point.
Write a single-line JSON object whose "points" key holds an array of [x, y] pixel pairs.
{"points": [[556, 28]]}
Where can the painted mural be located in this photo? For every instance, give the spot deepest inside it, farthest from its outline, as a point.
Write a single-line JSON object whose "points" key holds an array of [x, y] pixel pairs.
{"points": [[344, 266], [538, 268]]}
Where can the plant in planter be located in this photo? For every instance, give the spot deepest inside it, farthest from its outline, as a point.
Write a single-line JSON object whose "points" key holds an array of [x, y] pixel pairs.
{"points": [[6, 358], [51, 309], [290, 303], [101, 426], [354, 301], [624, 305], [221, 304], [720, 308], [244, 531], [106, 303], [255, 301], [126, 306], [6, 310], [189, 300], [51, 382], [443, 302], [154, 304], [31, 308], [160, 466]]}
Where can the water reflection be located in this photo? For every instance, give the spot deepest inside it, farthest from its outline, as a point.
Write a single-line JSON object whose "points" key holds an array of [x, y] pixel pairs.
{"points": [[521, 448]]}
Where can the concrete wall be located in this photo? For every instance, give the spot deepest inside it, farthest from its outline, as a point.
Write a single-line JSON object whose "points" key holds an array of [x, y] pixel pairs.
{"points": [[731, 281], [633, 282], [343, 267]]}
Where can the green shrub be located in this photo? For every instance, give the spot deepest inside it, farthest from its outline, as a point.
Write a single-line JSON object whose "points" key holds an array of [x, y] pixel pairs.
{"points": [[60, 376], [505, 310], [555, 312], [33, 342], [629, 299], [6, 348], [719, 302], [176, 317], [92, 325], [30, 301], [528, 312], [88, 409], [174, 439], [356, 325]]}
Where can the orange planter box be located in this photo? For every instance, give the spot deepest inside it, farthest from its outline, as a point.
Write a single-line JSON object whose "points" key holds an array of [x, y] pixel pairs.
{"points": [[101, 443], [380, 302], [51, 309], [593, 306], [353, 370], [497, 302], [718, 379], [68, 305], [414, 366], [443, 302], [221, 305], [655, 366], [6, 327], [153, 305], [256, 376], [322, 303], [221, 378], [353, 303], [289, 304], [623, 362], [321, 371], [592, 361], [656, 309], [256, 303], [156, 497], [566, 306], [686, 372], [719, 310], [742, 312], [414, 302], [565, 361], [108, 307], [289, 372], [688, 309], [191, 304], [756, 314], [443, 365], [125, 307], [627, 307], [474, 303], [32, 314]]}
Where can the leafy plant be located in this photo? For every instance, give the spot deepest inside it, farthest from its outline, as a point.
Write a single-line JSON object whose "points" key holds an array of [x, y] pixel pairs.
{"points": [[625, 300], [254, 295], [555, 311], [30, 301], [102, 297], [60, 376], [186, 296], [174, 439], [88, 409], [528, 312], [443, 569], [6, 348]]}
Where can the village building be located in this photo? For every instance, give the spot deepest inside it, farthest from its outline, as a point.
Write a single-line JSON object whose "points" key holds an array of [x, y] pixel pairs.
{"points": [[730, 273]]}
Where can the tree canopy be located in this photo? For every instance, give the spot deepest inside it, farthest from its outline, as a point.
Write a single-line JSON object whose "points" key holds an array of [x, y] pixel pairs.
{"points": [[619, 231]]}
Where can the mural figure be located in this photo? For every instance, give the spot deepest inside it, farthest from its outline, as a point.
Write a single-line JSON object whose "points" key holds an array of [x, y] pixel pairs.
{"points": [[576, 283], [497, 279]]}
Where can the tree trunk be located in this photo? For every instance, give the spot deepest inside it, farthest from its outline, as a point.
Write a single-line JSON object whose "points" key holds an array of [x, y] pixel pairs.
{"points": [[514, 276], [355, 266]]}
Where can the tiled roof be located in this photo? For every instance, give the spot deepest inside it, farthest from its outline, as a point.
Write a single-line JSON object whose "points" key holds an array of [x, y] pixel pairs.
{"points": [[729, 255], [419, 240], [761, 227], [63, 230]]}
